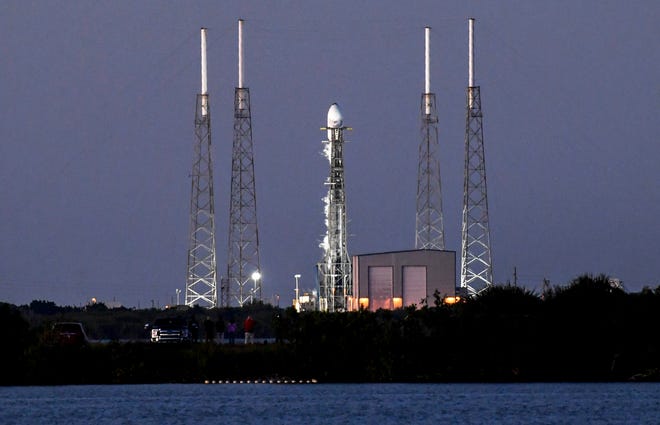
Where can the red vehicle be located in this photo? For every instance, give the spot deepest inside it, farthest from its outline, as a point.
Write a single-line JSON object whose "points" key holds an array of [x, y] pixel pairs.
{"points": [[70, 333]]}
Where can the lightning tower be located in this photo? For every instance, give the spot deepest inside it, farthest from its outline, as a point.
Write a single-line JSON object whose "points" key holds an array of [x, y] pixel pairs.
{"points": [[429, 223], [201, 275], [476, 259], [334, 270], [243, 284]]}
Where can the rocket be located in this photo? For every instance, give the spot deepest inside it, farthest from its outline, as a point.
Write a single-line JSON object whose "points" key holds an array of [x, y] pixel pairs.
{"points": [[335, 119]]}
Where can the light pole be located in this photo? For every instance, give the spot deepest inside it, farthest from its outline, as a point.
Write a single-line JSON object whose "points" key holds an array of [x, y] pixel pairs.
{"points": [[297, 276], [255, 277], [178, 291]]}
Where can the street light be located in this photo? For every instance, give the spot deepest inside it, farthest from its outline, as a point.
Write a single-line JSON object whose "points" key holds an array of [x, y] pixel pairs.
{"points": [[255, 277], [297, 276], [178, 291]]}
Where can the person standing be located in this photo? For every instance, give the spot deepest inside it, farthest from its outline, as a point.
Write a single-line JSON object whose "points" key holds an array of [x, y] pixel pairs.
{"points": [[248, 326], [209, 329], [231, 331], [220, 329]]}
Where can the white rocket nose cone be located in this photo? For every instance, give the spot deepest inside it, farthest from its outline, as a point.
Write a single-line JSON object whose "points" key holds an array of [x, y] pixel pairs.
{"points": [[334, 117]]}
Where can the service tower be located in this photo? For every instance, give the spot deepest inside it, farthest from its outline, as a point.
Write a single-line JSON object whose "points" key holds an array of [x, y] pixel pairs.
{"points": [[334, 270], [243, 284], [201, 274], [429, 227], [476, 259]]}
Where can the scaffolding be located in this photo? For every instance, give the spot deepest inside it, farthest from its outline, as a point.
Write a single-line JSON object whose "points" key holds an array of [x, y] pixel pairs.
{"points": [[243, 282], [429, 226], [476, 258], [201, 288], [334, 270]]}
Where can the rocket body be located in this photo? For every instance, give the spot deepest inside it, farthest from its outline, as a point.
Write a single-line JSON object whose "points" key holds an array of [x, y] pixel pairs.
{"points": [[335, 119]]}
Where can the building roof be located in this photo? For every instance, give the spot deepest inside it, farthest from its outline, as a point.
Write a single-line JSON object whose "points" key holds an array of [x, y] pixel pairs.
{"points": [[402, 251]]}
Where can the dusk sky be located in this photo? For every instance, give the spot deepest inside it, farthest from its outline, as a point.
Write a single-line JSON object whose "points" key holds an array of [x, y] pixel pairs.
{"points": [[97, 102]]}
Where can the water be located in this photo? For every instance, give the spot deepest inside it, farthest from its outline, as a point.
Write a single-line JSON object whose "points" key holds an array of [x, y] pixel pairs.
{"points": [[333, 404]]}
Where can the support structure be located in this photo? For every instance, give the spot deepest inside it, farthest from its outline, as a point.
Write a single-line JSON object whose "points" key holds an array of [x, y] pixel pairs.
{"points": [[429, 226], [201, 287], [334, 270], [244, 278], [476, 258]]}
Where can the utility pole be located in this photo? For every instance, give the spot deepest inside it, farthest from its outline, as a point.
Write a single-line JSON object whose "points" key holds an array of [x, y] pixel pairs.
{"points": [[297, 305], [545, 289], [515, 276]]}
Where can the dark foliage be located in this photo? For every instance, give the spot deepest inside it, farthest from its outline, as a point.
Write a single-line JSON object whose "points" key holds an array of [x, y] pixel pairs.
{"points": [[15, 331], [587, 330]]}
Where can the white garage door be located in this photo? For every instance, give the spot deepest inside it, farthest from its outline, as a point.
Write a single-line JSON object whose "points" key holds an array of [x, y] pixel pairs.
{"points": [[414, 284], [380, 288]]}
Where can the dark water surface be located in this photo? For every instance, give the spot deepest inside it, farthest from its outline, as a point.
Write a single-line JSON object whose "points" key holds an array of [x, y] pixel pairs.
{"points": [[628, 403]]}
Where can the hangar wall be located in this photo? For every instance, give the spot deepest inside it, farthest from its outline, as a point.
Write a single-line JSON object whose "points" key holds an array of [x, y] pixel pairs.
{"points": [[398, 279]]}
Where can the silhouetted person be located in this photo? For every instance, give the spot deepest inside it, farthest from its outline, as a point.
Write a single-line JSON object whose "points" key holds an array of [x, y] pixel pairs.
{"points": [[209, 329], [220, 328], [278, 326], [231, 331], [193, 328], [248, 326]]}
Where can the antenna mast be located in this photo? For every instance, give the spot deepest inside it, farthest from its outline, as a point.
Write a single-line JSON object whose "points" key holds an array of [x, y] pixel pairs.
{"points": [[476, 258], [244, 282], [429, 227], [201, 275]]}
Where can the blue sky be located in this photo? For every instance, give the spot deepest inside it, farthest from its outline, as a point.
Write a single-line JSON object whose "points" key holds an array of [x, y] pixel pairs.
{"points": [[96, 130]]}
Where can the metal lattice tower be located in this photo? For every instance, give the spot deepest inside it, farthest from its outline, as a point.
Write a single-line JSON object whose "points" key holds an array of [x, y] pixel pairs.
{"points": [[201, 285], [476, 258], [429, 225], [334, 270], [243, 283]]}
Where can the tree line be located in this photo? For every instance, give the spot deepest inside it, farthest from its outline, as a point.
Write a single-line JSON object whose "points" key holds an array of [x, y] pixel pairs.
{"points": [[587, 330]]}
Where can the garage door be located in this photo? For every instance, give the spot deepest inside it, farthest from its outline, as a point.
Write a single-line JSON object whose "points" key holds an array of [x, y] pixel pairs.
{"points": [[414, 284], [380, 288]]}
